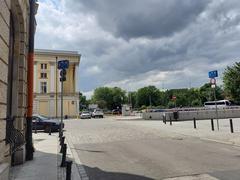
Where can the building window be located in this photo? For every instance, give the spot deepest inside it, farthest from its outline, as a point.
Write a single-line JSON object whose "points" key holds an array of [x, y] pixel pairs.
{"points": [[43, 86], [43, 66], [43, 75]]}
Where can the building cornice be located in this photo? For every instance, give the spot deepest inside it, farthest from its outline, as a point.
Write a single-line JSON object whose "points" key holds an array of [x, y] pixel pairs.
{"points": [[57, 52]]}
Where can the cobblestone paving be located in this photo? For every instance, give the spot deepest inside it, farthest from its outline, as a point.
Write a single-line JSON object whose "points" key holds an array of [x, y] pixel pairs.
{"points": [[111, 149]]}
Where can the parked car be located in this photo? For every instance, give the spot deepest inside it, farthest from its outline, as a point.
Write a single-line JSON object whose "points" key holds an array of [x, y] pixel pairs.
{"points": [[97, 113], [116, 111], [85, 115], [40, 122]]}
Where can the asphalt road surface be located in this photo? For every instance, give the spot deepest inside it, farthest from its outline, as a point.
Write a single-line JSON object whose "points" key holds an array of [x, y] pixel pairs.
{"points": [[116, 150]]}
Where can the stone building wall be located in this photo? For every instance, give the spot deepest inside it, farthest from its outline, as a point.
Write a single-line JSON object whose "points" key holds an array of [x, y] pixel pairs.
{"points": [[13, 13]]}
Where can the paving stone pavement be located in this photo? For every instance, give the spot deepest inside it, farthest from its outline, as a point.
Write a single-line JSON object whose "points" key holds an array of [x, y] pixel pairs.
{"points": [[44, 164], [104, 145]]}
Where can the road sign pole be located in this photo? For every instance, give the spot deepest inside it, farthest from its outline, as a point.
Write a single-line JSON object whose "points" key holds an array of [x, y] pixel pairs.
{"points": [[215, 99], [212, 75], [62, 65], [61, 107]]}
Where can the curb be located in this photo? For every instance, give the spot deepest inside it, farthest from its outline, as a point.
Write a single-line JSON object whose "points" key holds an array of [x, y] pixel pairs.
{"points": [[78, 166], [221, 142]]}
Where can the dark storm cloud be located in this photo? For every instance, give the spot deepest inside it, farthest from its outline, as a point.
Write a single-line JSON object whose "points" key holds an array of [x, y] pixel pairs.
{"points": [[134, 43], [142, 18]]}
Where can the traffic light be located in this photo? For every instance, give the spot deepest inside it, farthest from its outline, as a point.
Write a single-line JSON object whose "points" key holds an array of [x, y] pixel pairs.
{"points": [[63, 73]]}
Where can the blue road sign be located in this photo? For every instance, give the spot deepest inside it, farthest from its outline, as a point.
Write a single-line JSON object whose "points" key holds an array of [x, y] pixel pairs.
{"points": [[63, 64], [213, 74]]}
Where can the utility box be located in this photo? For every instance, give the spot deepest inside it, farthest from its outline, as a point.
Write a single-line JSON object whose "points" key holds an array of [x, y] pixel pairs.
{"points": [[126, 110], [175, 115]]}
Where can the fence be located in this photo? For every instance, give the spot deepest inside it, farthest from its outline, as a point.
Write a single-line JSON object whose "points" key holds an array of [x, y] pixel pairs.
{"points": [[191, 113]]}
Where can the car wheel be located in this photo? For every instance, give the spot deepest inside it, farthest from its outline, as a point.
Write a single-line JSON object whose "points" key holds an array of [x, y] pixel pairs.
{"points": [[47, 128]]}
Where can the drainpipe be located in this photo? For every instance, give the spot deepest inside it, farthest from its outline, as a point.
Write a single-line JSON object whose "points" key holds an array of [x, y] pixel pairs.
{"points": [[29, 142]]}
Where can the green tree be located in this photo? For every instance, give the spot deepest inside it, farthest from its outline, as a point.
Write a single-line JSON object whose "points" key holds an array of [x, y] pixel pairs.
{"points": [[207, 93], [119, 97], [109, 98], [83, 102], [132, 99], [231, 80], [147, 96]]}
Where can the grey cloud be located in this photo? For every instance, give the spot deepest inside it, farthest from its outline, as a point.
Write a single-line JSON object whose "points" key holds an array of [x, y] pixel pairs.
{"points": [[206, 39], [144, 18]]}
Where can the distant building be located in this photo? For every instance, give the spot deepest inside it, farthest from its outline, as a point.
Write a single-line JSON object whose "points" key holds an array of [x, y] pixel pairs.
{"points": [[47, 87], [92, 106]]}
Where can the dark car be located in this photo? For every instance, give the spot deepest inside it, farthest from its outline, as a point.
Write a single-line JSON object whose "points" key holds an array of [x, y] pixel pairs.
{"points": [[44, 123], [116, 111]]}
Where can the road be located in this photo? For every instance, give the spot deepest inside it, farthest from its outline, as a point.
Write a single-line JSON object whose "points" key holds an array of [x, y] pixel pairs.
{"points": [[111, 149]]}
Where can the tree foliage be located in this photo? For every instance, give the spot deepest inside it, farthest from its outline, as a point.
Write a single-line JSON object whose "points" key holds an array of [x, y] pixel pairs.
{"points": [[231, 80], [83, 102], [109, 98], [148, 96], [207, 93], [112, 98]]}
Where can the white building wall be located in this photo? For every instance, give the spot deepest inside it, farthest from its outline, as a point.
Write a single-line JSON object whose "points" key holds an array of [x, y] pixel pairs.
{"points": [[52, 77]]}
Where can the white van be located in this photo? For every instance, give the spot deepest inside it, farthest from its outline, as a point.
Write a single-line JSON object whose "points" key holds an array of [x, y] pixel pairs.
{"points": [[220, 104]]}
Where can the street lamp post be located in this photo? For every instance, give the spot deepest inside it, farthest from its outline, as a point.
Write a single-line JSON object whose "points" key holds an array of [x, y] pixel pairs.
{"points": [[56, 88]]}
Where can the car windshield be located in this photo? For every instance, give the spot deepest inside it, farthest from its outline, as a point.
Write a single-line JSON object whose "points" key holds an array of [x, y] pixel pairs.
{"points": [[85, 112], [43, 117]]}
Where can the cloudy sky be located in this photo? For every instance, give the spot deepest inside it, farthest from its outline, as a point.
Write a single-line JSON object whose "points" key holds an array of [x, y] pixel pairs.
{"points": [[135, 43]]}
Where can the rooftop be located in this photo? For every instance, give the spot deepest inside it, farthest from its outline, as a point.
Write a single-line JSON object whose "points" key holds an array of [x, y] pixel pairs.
{"points": [[56, 52]]}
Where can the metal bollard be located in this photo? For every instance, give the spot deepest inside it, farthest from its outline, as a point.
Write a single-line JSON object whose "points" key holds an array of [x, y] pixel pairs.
{"points": [[164, 119], [35, 127], [194, 123], [62, 141], [50, 130], [63, 163], [60, 134], [68, 170], [61, 144], [170, 120], [231, 126], [212, 124]]}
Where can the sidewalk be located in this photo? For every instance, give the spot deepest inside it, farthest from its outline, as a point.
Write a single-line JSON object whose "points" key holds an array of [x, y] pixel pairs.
{"points": [[44, 164], [203, 130]]}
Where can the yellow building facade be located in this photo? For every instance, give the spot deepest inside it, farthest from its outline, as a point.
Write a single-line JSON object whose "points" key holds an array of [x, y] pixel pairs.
{"points": [[47, 85]]}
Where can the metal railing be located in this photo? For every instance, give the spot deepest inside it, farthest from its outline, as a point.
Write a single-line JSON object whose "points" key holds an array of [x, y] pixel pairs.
{"points": [[195, 109], [13, 136]]}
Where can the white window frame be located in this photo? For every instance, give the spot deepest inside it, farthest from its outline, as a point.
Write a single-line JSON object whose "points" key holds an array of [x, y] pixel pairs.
{"points": [[43, 65], [42, 89]]}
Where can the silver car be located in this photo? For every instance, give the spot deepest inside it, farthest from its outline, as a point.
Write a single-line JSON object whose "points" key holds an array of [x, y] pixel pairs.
{"points": [[85, 115], [97, 113]]}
